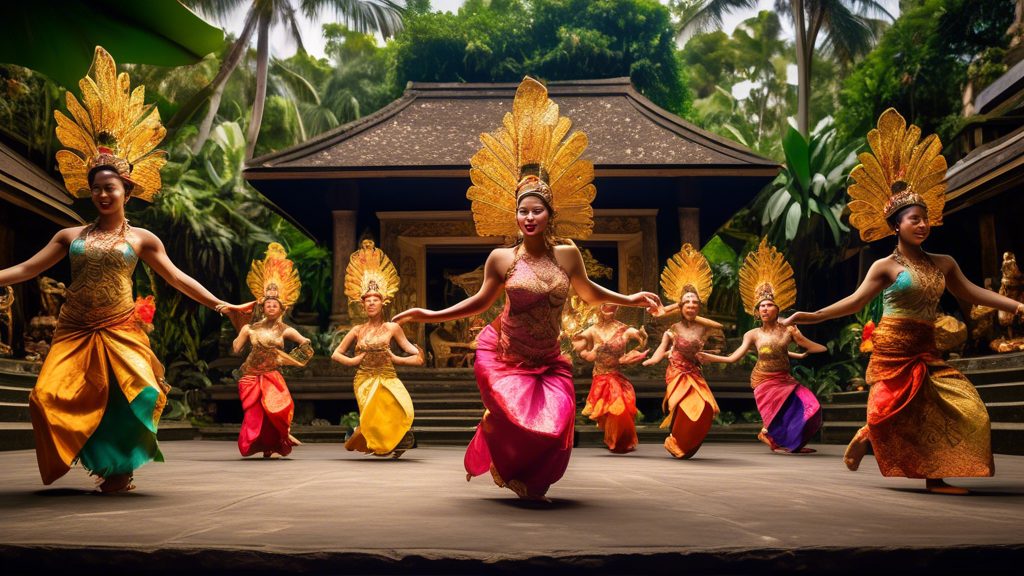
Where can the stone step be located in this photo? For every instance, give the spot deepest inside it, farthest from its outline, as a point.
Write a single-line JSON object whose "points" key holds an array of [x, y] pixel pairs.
{"points": [[850, 412], [14, 393], [446, 412], [1008, 438], [1005, 412], [1002, 392], [14, 412], [19, 436]]}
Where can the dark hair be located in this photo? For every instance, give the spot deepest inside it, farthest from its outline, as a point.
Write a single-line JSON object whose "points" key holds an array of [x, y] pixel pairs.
{"points": [[128, 185], [536, 194], [895, 218]]}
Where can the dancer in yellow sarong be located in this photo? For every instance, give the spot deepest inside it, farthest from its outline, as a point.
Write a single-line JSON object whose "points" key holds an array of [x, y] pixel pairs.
{"points": [[385, 408], [77, 415], [925, 419]]}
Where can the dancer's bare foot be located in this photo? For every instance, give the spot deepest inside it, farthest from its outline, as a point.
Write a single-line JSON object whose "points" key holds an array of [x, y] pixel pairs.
{"points": [[856, 450], [672, 446], [939, 486], [117, 483], [764, 437]]}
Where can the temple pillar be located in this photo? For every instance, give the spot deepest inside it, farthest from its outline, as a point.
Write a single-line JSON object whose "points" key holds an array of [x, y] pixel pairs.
{"points": [[689, 226], [344, 233]]}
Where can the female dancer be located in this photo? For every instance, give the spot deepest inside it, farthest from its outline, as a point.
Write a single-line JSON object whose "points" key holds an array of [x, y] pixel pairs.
{"points": [[689, 405], [76, 414], [265, 398], [790, 412], [526, 434], [925, 419], [385, 408], [612, 401]]}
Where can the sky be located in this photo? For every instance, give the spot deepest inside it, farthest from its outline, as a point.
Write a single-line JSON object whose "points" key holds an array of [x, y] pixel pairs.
{"points": [[282, 47]]}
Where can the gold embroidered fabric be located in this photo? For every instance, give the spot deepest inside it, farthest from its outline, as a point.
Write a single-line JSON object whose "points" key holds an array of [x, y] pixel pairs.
{"points": [[102, 264], [532, 141], [772, 351], [111, 127], [536, 290], [916, 291]]}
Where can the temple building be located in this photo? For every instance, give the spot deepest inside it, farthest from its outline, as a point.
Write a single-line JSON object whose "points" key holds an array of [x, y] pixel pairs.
{"points": [[401, 175]]}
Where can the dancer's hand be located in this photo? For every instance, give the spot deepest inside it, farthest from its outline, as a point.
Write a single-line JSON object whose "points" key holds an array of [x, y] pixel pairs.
{"points": [[648, 300], [238, 314], [797, 318], [633, 356], [412, 315], [588, 355]]}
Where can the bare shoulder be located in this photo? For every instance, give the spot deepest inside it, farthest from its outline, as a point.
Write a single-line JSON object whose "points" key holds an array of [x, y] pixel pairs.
{"points": [[68, 235], [945, 262]]}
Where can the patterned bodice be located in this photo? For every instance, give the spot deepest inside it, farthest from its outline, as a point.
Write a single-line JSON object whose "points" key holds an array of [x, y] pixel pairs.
{"points": [[102, 265], [375, 343], [263, 357], [684, 350], [608, 352], [536, 290], [916, 291], [772, 351]]}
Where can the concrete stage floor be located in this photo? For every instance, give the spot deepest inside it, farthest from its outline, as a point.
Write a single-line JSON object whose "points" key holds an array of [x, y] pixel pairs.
{"points": [[735, 508]]}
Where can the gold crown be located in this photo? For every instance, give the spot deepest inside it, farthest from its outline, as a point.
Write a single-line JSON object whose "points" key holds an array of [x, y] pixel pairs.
{"points": [[112, 126], [902, 169], [533, 185]]}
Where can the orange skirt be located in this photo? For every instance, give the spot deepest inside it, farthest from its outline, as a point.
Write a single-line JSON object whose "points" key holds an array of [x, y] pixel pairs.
{"points": [[612, 403], [925, 419], [690, 407]]}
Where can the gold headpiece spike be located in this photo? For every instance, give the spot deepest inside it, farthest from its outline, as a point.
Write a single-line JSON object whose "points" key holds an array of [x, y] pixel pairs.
{"points": [[370, 271], [111, 127], [901, 170], [765, 275], [687, 269], [532, 141], [274, 277]]}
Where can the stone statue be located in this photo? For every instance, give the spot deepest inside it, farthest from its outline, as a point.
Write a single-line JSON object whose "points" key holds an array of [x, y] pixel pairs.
{"points": [[6, 322], [1001, 330], [40, 328]]}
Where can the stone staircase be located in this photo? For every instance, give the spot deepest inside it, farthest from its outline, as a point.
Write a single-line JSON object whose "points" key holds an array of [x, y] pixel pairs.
{"points": [[999, 380], [448, 407]]}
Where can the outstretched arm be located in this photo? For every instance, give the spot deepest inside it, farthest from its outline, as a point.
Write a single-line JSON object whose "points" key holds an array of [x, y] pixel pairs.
{"points": [[635, 355], [964, 289], [571, 260], [152, 252], [494, 279], [54, 250], [806, 343], [748, 341], [339, 352], [415, 357], [880, 275], [659, 354]]}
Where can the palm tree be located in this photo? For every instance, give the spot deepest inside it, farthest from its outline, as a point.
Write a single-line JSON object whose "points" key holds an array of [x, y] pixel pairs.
{"points": [[367, 16], [847, 29]]}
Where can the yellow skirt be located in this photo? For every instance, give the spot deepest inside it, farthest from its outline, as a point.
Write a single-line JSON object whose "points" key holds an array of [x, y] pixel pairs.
{"points": [[385, 411]]}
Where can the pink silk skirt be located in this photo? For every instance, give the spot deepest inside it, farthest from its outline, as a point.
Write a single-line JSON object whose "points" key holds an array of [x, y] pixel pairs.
{"points": [[268, 410], [527, 430]]}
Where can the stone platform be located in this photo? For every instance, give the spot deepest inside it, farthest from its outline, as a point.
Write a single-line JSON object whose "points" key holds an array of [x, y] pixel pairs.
{"points": [[735, 508]]}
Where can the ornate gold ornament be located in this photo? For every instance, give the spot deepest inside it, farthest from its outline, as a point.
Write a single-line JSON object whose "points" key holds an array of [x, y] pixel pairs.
{"points": [[370, 271], [901, 170], [274, 277], [530, 154], [111, 127], [765, 275], [688, 271]]}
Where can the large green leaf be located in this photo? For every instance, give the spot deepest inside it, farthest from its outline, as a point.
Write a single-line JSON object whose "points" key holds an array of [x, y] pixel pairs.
{"points": [[797, 160], [58, 37]]}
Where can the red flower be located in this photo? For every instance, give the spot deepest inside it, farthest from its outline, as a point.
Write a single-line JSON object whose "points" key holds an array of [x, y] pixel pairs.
{"points": [[866, 346], [145, 309]]}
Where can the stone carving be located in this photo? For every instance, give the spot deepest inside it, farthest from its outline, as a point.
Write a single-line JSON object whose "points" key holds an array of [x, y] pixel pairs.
{"points": [[1001, 329], [6, 322], [40, 328]]}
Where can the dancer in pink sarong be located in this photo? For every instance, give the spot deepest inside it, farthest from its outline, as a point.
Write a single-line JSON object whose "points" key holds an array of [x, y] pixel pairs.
{"points": [[525, 436]]}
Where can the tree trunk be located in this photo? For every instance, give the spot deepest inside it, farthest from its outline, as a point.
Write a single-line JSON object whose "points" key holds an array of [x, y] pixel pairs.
{"points": [[803, 67], [262, 60], [216, 88]]}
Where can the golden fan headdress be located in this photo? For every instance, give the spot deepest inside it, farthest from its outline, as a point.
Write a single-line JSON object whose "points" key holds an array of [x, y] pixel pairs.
{"points": [[899, 171], [530, 154], [689, 270], [274, 277], [765, 275], [112, 127], [370, 271]]}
